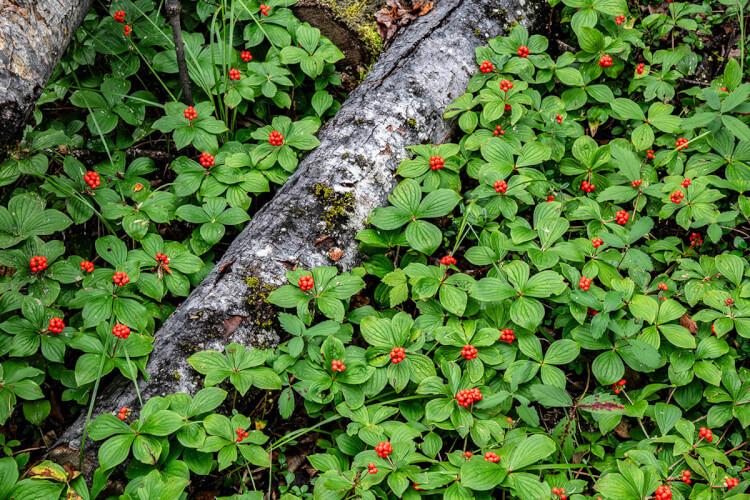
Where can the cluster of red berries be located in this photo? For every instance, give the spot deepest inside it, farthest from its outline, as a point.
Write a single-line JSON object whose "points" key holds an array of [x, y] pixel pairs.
{"points": [[467, 396], [37, 263], [560, 492], [92, 179], [448, 260], [123, 413], [590, 311], [234, 74], [663, 493], [486, 67], [677, 196], [731, 482], [706, 433], [729, 302], [686, 477], [119, 16], [87, 266], [265, 9], [162, 257], [499, 130], [681, 143], [597, 242], [620, 20], [337, 366], [587, 188], [207, 160], [507, 106], [121, 331], [507, 335], [650, 154], [56, 325], [506, 85], [384, 449], [246, 56], [190, 113], [127, 30], [663, 287], [640, 68], [636, 183], [500, 186], [713, 330], [686, 182], [371, 468], [695, 239], [467, 454], [120, 278], [523, 51], [491, 456], [723, 89], [622, 217], [585, 283], [242, 434], [398, 354], [605, 61], [550, 198], [558, 117], [306, 283], [469, 352], [617, 386], [275, 138], [437, 162]]}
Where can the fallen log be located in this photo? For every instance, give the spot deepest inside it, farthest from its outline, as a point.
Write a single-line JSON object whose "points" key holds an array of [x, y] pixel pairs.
{"points": [[33, 38], [313, 219]]}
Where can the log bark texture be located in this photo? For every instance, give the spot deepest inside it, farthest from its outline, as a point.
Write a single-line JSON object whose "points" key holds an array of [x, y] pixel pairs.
{"points": [[313, 219], [33, 38]]}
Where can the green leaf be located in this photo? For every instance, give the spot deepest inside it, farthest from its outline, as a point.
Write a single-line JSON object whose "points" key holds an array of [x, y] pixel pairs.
{"points": [[666, 416], [480, 475]]}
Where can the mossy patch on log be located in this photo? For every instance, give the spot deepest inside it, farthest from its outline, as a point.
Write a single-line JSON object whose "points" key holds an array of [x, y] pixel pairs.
{"points": [[336, 205]]}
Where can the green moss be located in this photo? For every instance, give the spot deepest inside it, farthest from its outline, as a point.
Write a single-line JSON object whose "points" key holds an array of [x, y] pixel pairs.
{"points": [[354, 13], [412, 123], [337, 205], [477, 32], [263, 313]]}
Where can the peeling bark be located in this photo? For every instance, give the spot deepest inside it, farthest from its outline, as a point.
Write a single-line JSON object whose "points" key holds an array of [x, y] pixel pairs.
{"points": [[314, 217], [33, 38]]}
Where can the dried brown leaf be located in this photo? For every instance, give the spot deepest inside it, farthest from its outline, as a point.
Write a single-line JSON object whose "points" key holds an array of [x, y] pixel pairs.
{"points": [[688, 323]]}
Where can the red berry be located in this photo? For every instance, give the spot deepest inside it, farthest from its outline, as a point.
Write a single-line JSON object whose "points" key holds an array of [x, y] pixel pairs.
{"points": [[234, 74], [437, 163], [677, 196], [87, 266], [160, 257], [265, 9], [729, 302], [190, 113], [586, 187], [636, 183], [124, 411], [491, 456], [119, 16], [550, 198], [120, 278], [306, 283], [92, 179], [398, 354], [622, 217], [467, 454], [723, 89], [507, 107], [650, 154], [681, 143], [506, 85], [620, 20], [695, 239], [663, 493], [499, 130], [448, 260], [337, 366], [469, 352], [468, 396], [127, 30], [56, 325], [605, 61], [121, 331], [500, 186], [372, 468], [597, 242], [686, 182], [585, 283], [275, 138], [508, 335], [523, 51], [640, 68], [558, 117], [207, 160], [384, 449], [486, 67], [37, 263], [246, 56]]}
